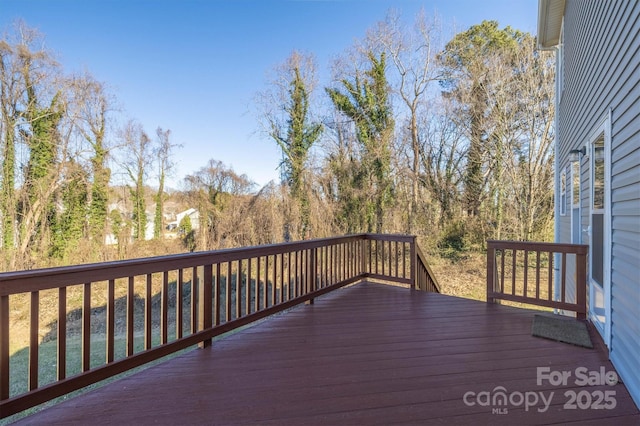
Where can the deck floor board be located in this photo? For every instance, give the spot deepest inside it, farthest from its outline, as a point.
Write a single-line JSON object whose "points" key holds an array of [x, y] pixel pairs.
{"points": [[366, 354]]}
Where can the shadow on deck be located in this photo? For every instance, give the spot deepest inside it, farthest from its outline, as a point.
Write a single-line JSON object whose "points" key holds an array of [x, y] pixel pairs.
{"points": [[366, 354]]}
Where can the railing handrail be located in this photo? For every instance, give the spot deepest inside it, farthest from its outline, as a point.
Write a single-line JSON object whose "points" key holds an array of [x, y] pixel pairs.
{"points": [[292, 273], [543, 246], [496, 285], [47, 278], [423, 262]]}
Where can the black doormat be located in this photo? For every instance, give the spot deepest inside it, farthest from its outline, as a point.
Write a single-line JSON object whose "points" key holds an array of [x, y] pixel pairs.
{"points": [[567, 330]]}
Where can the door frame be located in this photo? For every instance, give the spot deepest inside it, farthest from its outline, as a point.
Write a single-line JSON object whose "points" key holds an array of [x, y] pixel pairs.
{"points": [[603, 129]]}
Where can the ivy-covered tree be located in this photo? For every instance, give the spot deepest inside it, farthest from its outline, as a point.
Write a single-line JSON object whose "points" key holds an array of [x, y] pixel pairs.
{"points": [[365, 99], [288, 121], [43, 108], [93, 109], [136, 164], [9, 110], [69, 223]]}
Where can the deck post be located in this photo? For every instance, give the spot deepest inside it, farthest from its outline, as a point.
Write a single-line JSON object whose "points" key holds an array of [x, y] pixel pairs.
{"points": [[414, 262], [363, 256], [491, 257], [581, 284], [311, 284], [205, 316]]}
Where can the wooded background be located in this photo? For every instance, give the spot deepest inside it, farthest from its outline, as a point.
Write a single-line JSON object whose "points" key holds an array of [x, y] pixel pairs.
{"points": [[450, 140]]}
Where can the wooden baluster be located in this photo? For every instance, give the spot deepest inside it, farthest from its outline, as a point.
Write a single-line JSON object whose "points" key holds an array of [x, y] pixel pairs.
{"points": [[345, 261], [396, 256], [239, 289], [390, 270], [194, 300], [179, 297], [303, 272], [130, 316], [247, 291], [258, 284], [289, 278], [325, 260], [537, 274], [581, 284], [281, 278], [563, 271], [61, 372], [513, 271], [550, 281], [218, 303], [110, 320], [34, 340], [265, 291], [205, 300], [227, 293], [86, 327], [148, 303], [4, 347], [501, 283], [273, 285], [164, 309], [526, 272], [404, 260]]}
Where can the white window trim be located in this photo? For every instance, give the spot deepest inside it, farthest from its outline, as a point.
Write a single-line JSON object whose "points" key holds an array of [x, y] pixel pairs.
{"points": [[603, 128]]}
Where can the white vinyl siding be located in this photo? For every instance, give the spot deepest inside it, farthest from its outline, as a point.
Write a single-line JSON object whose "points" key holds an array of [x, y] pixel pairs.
{"points": [[563, 192]]}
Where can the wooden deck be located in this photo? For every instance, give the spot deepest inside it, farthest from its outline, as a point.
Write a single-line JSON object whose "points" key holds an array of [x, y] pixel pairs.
{"points": [[365, 354]]}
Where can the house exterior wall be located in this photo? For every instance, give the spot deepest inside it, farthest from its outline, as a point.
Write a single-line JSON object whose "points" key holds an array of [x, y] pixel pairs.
{"points": [[601, 84]]}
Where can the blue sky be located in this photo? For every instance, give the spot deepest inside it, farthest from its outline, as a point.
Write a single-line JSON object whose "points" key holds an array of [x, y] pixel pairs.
{"points": [[194, 66]]}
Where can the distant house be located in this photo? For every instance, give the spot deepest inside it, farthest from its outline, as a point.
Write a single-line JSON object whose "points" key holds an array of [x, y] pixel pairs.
{"points": [[194, 216], [598, 160]]}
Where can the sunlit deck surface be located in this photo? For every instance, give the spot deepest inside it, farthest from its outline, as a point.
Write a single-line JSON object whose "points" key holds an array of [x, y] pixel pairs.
{"points": [[366, 354]]}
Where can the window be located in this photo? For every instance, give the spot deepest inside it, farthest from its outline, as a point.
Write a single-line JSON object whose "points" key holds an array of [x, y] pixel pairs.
{"points": [[575, 184], [575, 203], [598, 174], [598, 197]]}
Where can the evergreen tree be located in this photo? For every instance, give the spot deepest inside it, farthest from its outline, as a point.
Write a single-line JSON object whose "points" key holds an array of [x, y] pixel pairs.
{"points": [[467, 60]]}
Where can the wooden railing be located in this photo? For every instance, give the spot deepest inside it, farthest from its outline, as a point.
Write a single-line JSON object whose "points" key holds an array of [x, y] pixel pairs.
{"points": [[425, 278], [131, 312], [526, 272]]}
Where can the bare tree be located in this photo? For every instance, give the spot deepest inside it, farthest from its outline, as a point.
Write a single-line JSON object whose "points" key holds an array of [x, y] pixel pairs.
{"points": [[93, 106], [530, 167], [165, 163], [220, 196], [412, 50], [136, 164]]}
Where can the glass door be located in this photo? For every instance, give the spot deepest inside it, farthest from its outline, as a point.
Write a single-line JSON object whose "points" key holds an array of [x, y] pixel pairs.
{"points": [[599, 237]]}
